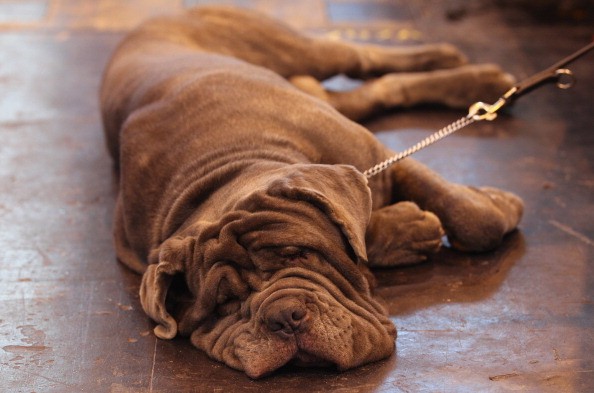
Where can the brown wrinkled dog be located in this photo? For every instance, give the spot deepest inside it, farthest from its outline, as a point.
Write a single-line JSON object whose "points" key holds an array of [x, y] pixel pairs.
{"points": [[241, 196]]}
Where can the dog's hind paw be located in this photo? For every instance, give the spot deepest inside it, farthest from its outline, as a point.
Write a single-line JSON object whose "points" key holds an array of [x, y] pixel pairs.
{"points": [[477, 82]]}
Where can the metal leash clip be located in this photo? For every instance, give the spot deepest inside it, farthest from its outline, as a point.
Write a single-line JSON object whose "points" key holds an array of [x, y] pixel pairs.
{"points": [[556, 73]]}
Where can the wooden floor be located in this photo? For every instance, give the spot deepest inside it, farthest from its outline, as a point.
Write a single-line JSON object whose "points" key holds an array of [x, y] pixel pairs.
{"points": [[518, 319]]}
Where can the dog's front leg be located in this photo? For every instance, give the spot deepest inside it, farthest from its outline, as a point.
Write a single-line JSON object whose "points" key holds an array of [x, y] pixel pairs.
{"points": [[474, 219]]}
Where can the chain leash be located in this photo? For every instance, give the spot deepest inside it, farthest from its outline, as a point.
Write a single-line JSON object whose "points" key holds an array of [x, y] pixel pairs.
{"points": [[431, 139]]}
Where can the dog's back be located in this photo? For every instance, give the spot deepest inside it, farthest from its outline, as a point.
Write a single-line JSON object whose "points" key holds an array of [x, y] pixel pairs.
{"points": [[194, 74]]}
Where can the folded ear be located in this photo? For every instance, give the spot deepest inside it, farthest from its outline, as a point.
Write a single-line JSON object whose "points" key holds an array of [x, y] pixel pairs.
{"points": [[157, 280], [340, 191]]}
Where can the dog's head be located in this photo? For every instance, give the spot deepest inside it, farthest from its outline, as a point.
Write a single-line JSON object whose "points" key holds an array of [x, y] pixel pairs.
{"points": [[279, 279]]}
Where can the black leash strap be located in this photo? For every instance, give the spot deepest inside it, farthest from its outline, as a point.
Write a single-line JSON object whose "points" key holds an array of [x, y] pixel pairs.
{"points": [[557, 73]]}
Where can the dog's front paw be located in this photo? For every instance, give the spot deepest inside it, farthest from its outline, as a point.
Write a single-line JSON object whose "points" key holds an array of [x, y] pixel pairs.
{"points": [[476, 219], [402, 234]]}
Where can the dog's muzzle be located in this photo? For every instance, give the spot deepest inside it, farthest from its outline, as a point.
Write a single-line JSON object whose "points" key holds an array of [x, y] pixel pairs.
{"points": [[302, 318]]}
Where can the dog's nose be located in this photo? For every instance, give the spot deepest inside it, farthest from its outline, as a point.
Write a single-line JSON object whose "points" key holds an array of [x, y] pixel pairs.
{"points": [[285, 316]]}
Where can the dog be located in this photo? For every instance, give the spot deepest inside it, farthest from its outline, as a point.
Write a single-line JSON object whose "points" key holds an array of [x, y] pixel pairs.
{"points": [[241, 195]]}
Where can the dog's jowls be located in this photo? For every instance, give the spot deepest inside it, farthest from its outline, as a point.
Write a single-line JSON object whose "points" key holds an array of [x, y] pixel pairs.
{"points": [[241, 197]]}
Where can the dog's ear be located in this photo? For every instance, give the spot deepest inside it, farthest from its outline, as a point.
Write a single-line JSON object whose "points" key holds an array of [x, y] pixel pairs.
{"points": [[169, 261], [340, 191]]}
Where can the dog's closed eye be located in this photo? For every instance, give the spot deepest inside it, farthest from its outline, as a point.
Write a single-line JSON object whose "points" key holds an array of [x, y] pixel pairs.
{"points": [[291, 252], [270, 259]]}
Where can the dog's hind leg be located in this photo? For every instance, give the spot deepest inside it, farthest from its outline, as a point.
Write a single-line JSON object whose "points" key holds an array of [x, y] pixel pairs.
{"points": [[456, 88], [263, 41]]}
